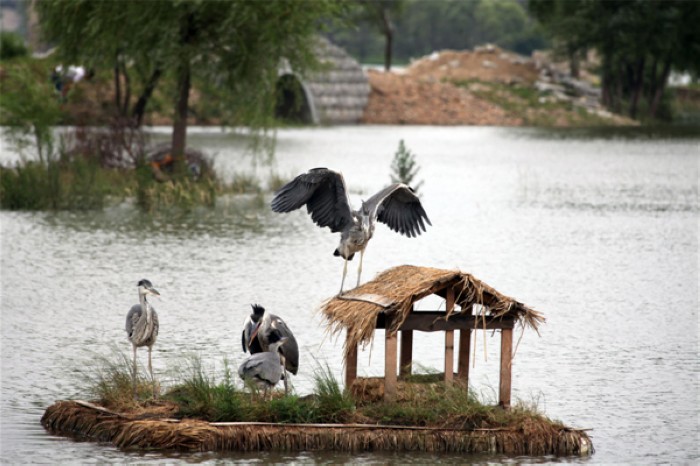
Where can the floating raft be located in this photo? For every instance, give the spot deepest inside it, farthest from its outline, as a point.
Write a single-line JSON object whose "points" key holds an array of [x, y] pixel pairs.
{"points": [[89, 421]]}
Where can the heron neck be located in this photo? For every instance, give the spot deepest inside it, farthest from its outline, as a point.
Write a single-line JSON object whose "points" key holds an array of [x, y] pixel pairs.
{"points": [[145, 306]]}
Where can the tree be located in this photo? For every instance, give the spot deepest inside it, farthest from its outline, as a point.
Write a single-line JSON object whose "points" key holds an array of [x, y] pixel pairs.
{"points": [[639, 41], [419, 27], [380, 14], [236, 44], [404, 168]]}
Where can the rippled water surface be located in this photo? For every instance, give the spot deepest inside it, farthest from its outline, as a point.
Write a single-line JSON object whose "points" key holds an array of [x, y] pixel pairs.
{"points": [[597, 231]]}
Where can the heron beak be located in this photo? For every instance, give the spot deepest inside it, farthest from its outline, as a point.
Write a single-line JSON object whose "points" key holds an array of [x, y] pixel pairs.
{"points": [[255, 334], [153, 291]]}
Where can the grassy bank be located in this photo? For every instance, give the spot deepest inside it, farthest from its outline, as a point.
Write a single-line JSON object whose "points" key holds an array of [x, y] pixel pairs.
{"points": [[199, 412], [197, 394]]}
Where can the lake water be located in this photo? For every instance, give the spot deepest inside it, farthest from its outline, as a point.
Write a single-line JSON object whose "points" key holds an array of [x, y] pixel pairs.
{"points": [[599, 231]]}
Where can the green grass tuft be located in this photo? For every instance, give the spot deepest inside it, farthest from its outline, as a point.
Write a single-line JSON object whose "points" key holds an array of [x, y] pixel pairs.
{"points": [[110, 381], [201, 396]]}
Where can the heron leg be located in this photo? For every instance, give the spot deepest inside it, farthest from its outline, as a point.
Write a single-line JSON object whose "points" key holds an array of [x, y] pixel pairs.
{"points": [[345, 272], [133, 373], [150, 369], [359, 268], [283, 361]]}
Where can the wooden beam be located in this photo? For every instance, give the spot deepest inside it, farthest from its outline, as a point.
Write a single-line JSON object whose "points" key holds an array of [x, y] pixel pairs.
{"points": [[506, 368], [406, 356], [434, 321], [390, 385], [351, 368], [465, 337]]}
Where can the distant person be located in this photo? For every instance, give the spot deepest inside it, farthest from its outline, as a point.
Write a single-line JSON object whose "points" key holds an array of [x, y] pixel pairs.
{"points": [[63, 80]]}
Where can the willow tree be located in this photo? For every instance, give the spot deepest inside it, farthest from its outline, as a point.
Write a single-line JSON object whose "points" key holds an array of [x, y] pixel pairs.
{"points": [[235, 46]]}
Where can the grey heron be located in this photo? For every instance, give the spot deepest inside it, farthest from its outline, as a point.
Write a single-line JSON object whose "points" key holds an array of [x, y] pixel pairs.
{"points": [[265, 369], [142, 326], [250, 324], [325, 195], [268, 328]]}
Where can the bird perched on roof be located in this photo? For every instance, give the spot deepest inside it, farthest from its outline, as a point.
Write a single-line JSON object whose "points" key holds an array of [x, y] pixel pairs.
{"points": [[261, 329], [142, 326], [264, 369], [325, 195]]}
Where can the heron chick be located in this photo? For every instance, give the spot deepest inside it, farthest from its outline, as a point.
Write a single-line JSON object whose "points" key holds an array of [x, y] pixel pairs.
{"points": [[142, 327], [264, 369], [263, 328], [325, 195]]}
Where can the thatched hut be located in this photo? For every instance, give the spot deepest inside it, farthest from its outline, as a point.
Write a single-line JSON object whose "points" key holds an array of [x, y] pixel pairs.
{"points": [[388, 302]]}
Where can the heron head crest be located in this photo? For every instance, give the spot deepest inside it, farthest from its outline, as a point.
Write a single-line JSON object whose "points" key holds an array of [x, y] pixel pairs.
{"points": [[146, 287]]}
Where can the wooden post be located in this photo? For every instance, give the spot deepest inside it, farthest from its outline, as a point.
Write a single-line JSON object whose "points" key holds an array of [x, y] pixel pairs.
{"points": [[506, 367], [389, 365], [449, 355], [449, 338], [351, 368], [465, 338], [406, 356]]}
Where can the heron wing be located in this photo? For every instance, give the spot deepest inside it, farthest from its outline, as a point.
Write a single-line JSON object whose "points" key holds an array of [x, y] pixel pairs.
{"points": [[325, 195], [400, 209], [131, 318], [156, 324], [263, 366], [290, 349]]}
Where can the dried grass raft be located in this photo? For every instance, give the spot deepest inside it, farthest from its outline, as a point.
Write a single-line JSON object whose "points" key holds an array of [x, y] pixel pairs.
{"points": [[88, 421], [400, 287]]}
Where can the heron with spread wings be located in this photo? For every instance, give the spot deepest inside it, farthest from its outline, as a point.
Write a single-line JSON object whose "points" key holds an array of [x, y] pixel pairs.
{"points": [[325, 195]]}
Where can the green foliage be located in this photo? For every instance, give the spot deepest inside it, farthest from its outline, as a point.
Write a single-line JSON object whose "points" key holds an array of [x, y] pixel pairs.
{"points": [[650, 39], [29, 109], [404, 168], [332, 404], [183, 193], [243, 183], [72, 183], [286, 409], [422, 27], [12, 46], [201, 396], [533, 108], [110, 381], [236, 46]]}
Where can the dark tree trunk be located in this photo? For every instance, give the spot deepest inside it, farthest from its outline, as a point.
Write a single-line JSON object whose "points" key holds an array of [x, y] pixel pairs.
{"points": [[127, 91], [660, 87], [574, 64], [654, 80], [637, 85], [139, 109], [179, 141], [117, 86], [389, 35]]}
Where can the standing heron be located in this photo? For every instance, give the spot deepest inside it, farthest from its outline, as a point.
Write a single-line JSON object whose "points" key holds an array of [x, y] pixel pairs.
{"points": [[250, 344], [142, 326], [265, 369], [326, 198], [261, 329]]}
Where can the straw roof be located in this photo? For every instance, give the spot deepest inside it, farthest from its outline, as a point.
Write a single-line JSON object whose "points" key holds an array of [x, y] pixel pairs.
{"points": [[394, 291]]}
